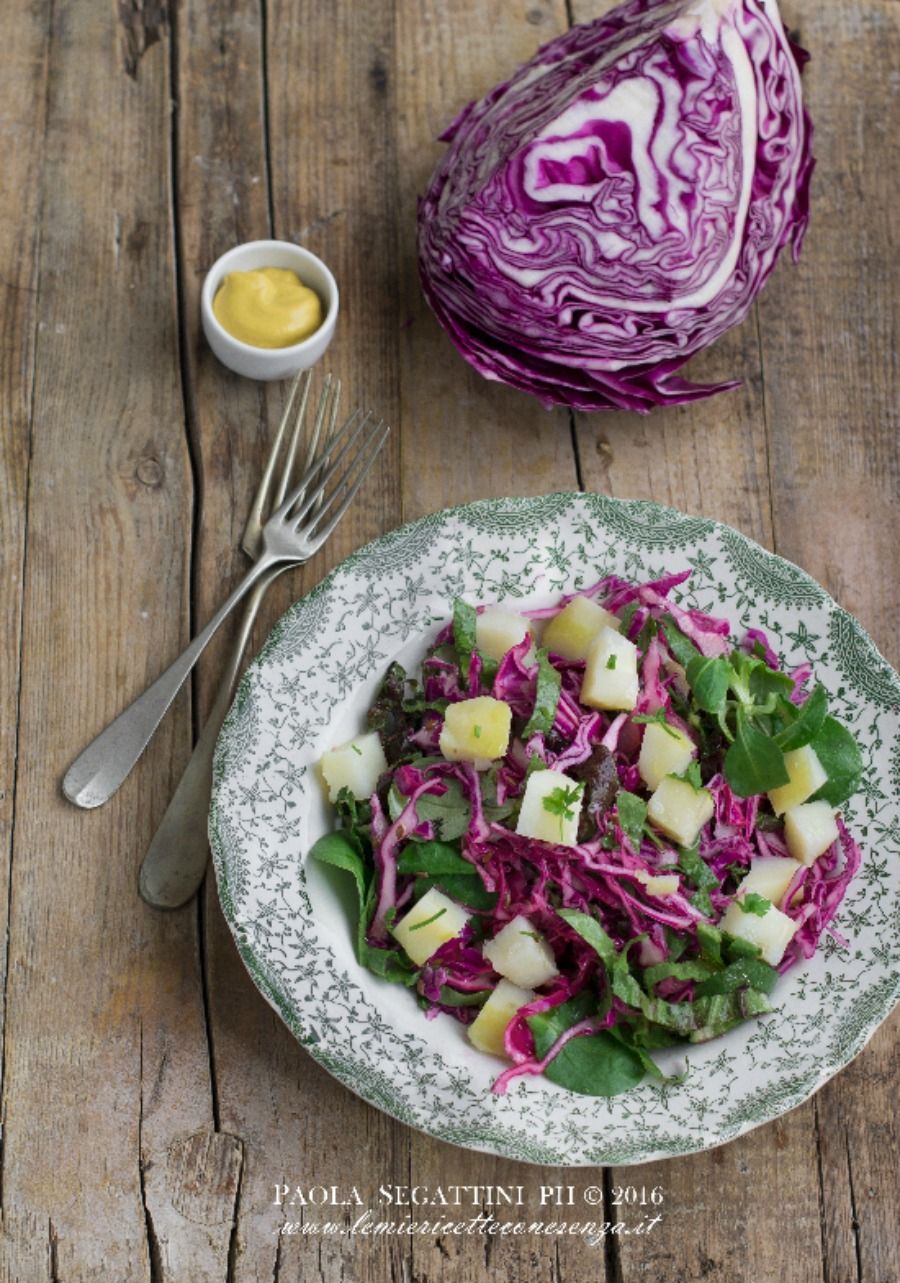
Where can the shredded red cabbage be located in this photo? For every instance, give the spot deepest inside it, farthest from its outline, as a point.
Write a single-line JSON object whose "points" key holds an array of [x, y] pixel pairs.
{"points": [[607, 874]]}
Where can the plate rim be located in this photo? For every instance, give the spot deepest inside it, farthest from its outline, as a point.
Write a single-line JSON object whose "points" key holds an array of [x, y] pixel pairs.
{"points": [[497, 1142]]}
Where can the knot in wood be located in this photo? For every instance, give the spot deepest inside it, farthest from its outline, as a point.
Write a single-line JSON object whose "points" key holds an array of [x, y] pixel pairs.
{"points": [[150, 472]]}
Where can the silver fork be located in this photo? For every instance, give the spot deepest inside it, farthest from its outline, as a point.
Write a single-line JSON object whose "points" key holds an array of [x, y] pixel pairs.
{"points": [[293, 533], [176, 859]]}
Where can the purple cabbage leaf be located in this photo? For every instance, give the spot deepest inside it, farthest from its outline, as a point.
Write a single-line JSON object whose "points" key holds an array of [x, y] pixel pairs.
{"points": [[618, 204]]}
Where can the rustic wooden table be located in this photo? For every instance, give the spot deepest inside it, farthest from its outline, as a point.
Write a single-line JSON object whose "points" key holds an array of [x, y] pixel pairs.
{"points": [[151, 1099]]}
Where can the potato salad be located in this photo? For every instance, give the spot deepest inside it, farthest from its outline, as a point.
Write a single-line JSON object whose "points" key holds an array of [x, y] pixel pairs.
{"points": [[593, 830]]}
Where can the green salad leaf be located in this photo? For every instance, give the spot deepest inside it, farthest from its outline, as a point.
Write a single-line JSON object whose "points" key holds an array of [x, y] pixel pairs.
{"points": [[681, 646], [749, 972], [392, 964], [467, 888], [595, 1064], [457, 998], [691, 775], [709, 939], [802, 726], [449, 812], [718, 1013], [440, 865], [590, 930], [839, 754], [754, 763], [695, 868], [337, 850], [432, 857], [691, 970], [632, 812], [709, 680], [464, 617], [546, 698]]}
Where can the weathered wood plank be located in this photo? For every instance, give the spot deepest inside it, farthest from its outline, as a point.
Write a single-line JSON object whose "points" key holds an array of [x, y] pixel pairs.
{"points": [[330, 103], [29, 1247], [856, 1123], [221, 199], [480, 440], [107, 1069], [751, 1206], [827, 330], [464, 438], [711, 458], [191, 1196], [100, 989], [830, 361], [23, 97]]}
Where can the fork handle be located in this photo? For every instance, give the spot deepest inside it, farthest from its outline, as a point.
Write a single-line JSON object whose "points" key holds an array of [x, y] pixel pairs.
{"points": [[98, 771], [176, 859]]}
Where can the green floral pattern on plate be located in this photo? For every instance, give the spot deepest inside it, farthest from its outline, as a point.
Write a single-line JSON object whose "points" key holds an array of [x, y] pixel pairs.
{"points": [[368, 1033]]}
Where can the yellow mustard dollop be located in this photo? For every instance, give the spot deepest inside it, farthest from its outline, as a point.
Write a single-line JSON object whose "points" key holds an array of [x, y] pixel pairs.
{"points": [[270, 307]]}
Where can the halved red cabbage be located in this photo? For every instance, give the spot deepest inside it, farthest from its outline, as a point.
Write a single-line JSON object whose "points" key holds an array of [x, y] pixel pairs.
{"points": [[617, 205]]}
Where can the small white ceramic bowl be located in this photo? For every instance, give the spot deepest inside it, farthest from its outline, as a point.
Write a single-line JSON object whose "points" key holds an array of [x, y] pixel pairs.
{"points": [[263, 363]]}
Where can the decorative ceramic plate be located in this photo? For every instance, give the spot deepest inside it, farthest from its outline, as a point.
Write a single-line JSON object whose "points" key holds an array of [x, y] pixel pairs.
{"points": [[292, 921]]}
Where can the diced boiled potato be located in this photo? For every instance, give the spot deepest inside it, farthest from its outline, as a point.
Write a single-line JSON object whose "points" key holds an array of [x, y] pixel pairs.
{"points": [[498, 630], [769, 876], [658, 883], [571, 633], [679, 810], [355, 765], [476, 730], [551, 808], [806, 775], [521, 954], [809, 830], [611, 676], [431, 922], [487, 1029], [772, 933], [664, 752]]}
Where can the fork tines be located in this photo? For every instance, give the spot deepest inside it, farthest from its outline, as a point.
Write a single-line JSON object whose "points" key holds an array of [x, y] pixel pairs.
{"points": [[313, 496]]}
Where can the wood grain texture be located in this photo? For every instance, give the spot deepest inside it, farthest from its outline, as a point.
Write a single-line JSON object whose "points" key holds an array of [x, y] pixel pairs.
{"points": [[191, 1196], [333, 157], [712, 457], [105, 1055], [23, 100], [448, 55], [152, 1101], [835, 484], [857, 1136], [222, 199], [835, 433], [336, 197]]}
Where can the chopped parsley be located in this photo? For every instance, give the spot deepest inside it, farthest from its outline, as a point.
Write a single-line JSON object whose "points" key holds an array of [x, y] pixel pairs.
{"points": [[426, 922], [562, 802], [753, 903]]}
